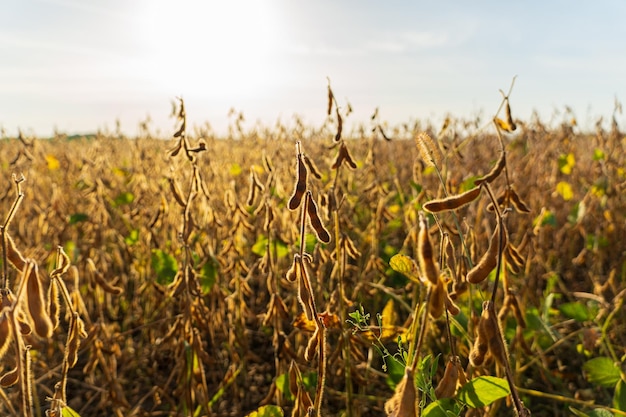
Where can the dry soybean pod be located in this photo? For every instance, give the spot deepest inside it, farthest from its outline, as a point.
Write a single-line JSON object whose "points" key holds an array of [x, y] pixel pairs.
{"points": [[481, 344], [252, 190], [316, 221], [73, 341], [6, 333], [450, 257], [339, 125], [451, 305], [314, 171], [311, 347], [300, 189], [513, 258], [103, 283], [447, 385], [304, 296], [437, 300], [452, 202], [330, 100], [13, 255], [489, 259], [177, 193], [54, 307], [294, 272], [425, 253], [495, 171], [37, 305], [10, 378], [517, 202]]}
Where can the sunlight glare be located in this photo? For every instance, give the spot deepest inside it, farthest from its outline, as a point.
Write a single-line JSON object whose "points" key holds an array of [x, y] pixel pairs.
{"points": [[215, 49]]}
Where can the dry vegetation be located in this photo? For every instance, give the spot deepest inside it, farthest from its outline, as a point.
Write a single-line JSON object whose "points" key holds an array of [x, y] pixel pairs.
{"points": [[299, 270]]}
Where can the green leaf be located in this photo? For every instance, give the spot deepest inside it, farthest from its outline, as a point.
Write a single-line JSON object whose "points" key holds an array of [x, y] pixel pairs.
{"points": [[260, 247], [483, 390], [619, 398], [267, 411], [468, 184], [164, 265], [124, 198], [395, 372], [545, 218], [602, 371], [69, 412], [208, 274], [600, 412], [445, 407], [598, 154], [78, 217], [309, 379], [282, 384], [406, 266], [132, 238], [576, 310]]}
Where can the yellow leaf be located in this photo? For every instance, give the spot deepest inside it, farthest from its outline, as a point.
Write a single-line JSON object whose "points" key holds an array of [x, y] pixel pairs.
{"points": [[503, 125], [302, 323], [406, 266], [53, 163], [267, 411], [565, 190], [389, 314], [388, 321], [566, 163]]}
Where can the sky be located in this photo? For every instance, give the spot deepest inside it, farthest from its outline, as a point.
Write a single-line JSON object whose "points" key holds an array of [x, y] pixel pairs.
{"points": [[75, 66]]}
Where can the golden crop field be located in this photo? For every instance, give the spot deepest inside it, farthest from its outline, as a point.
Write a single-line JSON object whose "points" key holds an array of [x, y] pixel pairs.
{"points": [[473, 269]]}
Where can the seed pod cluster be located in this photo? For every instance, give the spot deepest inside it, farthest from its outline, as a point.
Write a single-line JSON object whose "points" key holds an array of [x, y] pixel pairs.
{"points": [[510, 196], [484, 332], [343, 155], [452, 202], [514, 258], [510, 303], [488, 340]]}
